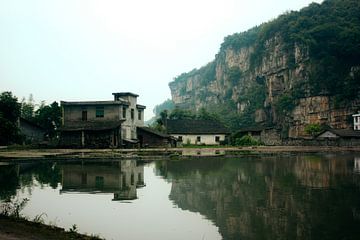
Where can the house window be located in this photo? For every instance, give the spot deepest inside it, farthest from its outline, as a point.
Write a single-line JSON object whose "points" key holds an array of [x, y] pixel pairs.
{"points": [[139, 114], [99, 112], [198, 139], [217, 139], [124, 112], [84, 115], [180, 139], [132, 114]]}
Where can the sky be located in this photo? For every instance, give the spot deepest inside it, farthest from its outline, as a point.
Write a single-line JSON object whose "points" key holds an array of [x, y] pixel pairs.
{"points": [[73, 50]]}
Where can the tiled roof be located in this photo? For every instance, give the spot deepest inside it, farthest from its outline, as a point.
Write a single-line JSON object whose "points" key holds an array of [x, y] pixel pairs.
{"points": [[187, 126], [345, 133], [90, 125]]}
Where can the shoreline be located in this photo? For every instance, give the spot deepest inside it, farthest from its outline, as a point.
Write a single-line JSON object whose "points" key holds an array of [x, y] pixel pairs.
{"points": [[13, 155]]}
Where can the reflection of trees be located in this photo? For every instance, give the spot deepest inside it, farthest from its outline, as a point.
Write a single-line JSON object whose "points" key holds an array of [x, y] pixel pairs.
{"points": [[9, 181], [45, 173], [16, 175], [259, 198]]}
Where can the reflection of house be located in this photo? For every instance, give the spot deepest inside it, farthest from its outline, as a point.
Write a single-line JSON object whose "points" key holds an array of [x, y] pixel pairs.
{"points": [[197, 131], [357, 164], [102, 123], [33, 133], [356, 121], [151, 138], [122, 179]]}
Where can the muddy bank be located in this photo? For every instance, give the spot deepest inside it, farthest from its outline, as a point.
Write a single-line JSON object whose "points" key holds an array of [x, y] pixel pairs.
{"points": [[14, 229]]}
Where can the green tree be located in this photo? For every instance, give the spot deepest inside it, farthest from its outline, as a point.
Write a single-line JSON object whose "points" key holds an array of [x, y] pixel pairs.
{"points": [[49, 117], [27, 108], [179, 113], [9, 114], [313, 129]]}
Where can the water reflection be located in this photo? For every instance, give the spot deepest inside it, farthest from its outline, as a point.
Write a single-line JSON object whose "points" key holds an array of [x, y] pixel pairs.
{"points": [[268, 197], [292, 197], [121, 178]]}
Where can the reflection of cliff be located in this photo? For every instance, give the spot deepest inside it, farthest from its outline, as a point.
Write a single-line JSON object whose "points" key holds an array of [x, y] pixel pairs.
{"points": [[121, 178], [271, 199]]}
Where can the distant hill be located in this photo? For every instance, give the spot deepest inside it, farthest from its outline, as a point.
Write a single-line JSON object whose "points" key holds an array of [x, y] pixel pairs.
{"points": [[301, 68]]}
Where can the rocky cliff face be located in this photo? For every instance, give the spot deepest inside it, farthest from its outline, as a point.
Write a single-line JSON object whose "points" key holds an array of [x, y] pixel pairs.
{"points": [[258, 84]]}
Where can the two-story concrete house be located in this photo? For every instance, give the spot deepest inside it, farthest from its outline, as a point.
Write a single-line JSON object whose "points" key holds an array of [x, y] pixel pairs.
{"points": [[101, 124]]}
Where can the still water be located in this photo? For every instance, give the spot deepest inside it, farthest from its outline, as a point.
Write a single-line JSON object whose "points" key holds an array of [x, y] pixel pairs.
{"points": [[250, 197]]}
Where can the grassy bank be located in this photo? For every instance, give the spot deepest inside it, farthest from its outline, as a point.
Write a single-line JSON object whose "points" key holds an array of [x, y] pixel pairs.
{"points": [[18, 228]]}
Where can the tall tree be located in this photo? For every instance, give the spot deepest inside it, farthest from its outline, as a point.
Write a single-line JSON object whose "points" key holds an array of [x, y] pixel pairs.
{"points": [[27, 108], [9, 114]]}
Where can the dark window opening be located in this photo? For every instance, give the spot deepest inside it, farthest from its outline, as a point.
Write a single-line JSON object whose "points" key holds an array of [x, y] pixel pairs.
{"points": [[180, 139], [84, 115], [217, 139], [132, 114], [139, 114], [124, 112], [198, 138], [99, 112], [132, 179]]}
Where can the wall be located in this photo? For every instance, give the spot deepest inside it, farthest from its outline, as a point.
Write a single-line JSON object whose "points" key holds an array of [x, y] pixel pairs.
{"points": [[207, 139], [129, 126]]}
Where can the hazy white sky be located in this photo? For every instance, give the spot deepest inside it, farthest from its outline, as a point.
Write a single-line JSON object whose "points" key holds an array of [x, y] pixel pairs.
{"points": [[88, 49]]}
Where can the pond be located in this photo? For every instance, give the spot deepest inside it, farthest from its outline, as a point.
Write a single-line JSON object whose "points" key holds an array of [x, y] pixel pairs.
{"points": [[286, 196]]}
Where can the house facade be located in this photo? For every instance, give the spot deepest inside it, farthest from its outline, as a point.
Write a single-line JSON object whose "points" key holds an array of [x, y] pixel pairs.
{"points": [[197, 132], [101, 124]]}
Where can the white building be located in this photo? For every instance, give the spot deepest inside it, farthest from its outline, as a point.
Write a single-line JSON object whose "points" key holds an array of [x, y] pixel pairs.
{"points": [[197, 132]]}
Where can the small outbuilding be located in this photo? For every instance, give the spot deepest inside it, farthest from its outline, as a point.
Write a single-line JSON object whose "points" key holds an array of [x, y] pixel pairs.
{"points": [[339, 133], [32, 132], [149, 137]]}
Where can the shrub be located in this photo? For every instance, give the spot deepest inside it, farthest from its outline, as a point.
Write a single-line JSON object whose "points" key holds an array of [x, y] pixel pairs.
{"points": [[246, 140]]}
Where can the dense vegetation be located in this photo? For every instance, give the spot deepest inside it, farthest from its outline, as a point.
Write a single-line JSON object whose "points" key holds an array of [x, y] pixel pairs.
{"points": [[330, 30]]}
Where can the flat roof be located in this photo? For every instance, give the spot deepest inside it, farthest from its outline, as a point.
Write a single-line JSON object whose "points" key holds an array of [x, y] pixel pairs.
{"points": [[140, 106], [80, 103], [121, 94]]}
